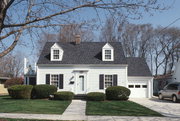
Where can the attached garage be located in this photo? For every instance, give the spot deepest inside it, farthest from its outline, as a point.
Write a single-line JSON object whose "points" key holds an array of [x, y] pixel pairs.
{"points": [[140, 80], [140, 87]]}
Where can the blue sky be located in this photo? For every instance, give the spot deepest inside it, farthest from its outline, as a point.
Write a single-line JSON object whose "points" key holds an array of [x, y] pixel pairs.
{"points": [[163, 18]]}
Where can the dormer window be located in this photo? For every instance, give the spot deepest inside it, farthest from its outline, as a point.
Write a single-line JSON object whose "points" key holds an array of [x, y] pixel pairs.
{"points": [[56, 53], [107, 52]]}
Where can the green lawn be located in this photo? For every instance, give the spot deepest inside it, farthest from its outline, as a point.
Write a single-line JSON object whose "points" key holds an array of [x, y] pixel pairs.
{"points": [[118, 108], [39, 106]]}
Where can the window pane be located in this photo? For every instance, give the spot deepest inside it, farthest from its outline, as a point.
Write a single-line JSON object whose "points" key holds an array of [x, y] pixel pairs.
{"points": [[108, 81], [56, 51], [131, 86], [107, 54], [56, 54], [137, 86], [172, 87], [144, 86], [54, 80]]}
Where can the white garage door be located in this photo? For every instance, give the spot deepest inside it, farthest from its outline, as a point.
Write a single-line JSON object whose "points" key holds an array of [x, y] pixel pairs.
{"points": [[138, 90]]}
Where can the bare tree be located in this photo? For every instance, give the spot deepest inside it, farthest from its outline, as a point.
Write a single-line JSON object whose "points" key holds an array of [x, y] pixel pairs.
{"points": [[45, 37], [108, 31], [136, 40], [67, 34], [168, 41], [69, 31], [11, 65], [20, 18]]}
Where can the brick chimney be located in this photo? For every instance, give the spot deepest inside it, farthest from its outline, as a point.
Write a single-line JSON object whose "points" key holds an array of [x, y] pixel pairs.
{"points": [[77, 39]]}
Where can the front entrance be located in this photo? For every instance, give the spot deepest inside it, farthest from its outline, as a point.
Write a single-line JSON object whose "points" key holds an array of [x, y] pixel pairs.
{"points": [[81, 81]]}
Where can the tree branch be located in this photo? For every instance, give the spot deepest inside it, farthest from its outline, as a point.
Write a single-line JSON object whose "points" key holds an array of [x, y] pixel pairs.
{"points": [[27, 27], [90, 4], [11, 47]]}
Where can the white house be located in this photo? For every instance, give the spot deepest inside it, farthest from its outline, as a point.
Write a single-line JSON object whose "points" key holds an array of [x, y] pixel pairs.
{"points": [[176, 75], [92, 67]]}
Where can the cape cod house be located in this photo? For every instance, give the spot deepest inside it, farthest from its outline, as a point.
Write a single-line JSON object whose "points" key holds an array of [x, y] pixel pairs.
{"points": [[83, 67]]}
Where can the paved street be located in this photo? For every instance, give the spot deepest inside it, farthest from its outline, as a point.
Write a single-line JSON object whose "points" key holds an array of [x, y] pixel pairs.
{"points": [[165, 107]]}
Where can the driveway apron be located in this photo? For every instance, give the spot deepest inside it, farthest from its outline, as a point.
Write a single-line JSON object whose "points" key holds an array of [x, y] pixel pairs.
{"points": [[165, 107]]}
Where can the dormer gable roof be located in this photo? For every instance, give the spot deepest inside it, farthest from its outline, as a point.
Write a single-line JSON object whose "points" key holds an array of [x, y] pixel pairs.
{"points": [[56, 46], [107, 46]]}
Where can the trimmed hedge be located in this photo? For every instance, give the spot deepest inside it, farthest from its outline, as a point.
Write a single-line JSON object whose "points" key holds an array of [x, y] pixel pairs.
{"points": [[43, 91], [64, 95], [13, 81], [96, 96], [20, 91], [117, 93]]}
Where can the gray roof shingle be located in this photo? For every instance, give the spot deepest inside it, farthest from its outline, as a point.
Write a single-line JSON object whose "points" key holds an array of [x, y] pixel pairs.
{"points": [[83, 53], [138, 67], [91, 53]]}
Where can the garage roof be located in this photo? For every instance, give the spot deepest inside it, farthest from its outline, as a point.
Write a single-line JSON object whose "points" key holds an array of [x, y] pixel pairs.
{"points": [[138, 67]]}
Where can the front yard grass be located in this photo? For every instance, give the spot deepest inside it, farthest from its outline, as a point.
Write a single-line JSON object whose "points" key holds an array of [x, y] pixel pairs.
{"points": [[118, 108], [38, 106]]}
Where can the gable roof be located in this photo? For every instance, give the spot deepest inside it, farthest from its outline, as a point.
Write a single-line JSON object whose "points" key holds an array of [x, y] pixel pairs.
{"points": [[83, 53], [107, 45], [138, 67], [56, 45]]}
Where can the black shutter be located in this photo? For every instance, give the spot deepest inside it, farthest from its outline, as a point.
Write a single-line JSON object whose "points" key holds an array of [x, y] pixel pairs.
{"points": [[101, 81], [114, 80], [47, 78], [61, 80]]}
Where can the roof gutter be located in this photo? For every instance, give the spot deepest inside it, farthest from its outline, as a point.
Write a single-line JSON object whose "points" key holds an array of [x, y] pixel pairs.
{"points": [[82, 65]]}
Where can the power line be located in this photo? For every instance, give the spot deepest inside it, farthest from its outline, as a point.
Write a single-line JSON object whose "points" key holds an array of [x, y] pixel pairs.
{"points": [[171, 24]]}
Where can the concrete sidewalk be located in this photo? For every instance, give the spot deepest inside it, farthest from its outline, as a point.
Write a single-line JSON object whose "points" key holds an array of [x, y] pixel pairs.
{"points": [[87, 118], [76, 111]]}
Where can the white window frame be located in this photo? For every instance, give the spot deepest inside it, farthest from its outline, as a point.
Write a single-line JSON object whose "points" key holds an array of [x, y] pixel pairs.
{"points": [[105, 80], [107, 46], [56, 54], [107, 54], [54, 79], [111, 54], [61, 52]]}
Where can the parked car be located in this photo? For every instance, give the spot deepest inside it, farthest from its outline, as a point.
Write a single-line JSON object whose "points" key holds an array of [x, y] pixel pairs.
{"points": [[172, 91]]}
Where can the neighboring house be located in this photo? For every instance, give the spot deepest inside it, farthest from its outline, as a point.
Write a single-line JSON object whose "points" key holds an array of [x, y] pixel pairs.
{"points": [[2, 81], [29, 74], [176, 75], [160, 81], [92, 67]]}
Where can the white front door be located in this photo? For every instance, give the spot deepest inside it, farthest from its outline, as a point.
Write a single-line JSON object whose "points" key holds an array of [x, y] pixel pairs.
{"points": [[81, 81]]}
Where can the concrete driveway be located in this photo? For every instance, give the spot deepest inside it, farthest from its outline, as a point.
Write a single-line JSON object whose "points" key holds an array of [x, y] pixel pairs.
{"points": [[165, 107]]}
